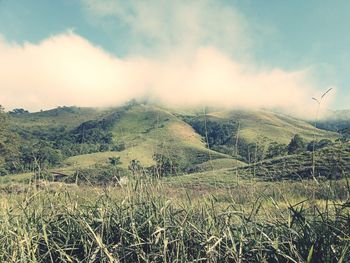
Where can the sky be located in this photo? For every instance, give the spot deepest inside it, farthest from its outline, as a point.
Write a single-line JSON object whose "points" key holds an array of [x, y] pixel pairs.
{"points": [[238, 53]]}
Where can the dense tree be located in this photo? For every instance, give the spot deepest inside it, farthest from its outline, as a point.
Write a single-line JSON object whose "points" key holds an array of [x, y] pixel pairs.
{"points": [[40, 155], [345, 135], [215, 132], [3, 130], [164, 165], [276, 149], [3, 123], [9, 143], [118, 147], [296, 145], [23, 149], [18, 112], [317, 145]]}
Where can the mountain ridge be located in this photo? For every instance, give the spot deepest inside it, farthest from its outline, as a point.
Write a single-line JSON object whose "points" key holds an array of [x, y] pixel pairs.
{"points": [[147, 129]]}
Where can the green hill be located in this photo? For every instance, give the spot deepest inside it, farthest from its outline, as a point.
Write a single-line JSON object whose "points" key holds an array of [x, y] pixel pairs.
{"points": [[252, 136], [183, 135], [146, 130], [259, 124], [331, 162], [69, 117]]}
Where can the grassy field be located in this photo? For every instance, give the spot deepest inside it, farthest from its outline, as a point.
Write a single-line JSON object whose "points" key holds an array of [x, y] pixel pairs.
{"points": [[204, 217]]}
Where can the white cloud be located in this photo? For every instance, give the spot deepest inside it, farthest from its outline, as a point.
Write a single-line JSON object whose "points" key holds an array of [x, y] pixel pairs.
{"points": [[68, 70], [192, 61], [161, 25]]}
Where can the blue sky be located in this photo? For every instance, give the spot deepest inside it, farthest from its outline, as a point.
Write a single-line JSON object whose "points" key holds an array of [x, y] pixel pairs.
{"points": [[287, 35], [304, 33]]}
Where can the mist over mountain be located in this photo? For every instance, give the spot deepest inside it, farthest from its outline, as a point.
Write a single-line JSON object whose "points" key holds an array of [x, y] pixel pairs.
{"points": [[338, 120]]}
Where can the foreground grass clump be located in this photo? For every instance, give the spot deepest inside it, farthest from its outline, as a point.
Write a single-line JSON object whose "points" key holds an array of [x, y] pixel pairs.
{"points": [[140, 223]]}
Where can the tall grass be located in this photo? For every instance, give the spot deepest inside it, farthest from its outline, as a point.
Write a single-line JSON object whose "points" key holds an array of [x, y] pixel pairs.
{"points": [[319, 102], [140, 223]]}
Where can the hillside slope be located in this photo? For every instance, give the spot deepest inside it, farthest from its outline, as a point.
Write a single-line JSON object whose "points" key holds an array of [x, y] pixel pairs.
{"points": [[331, 162], [69, 117], [338, 120], [259, 124], [147, 129]]}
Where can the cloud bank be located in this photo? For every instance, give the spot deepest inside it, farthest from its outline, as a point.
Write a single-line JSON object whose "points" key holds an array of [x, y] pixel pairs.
{"points": [[67, 69], [161, 26]]}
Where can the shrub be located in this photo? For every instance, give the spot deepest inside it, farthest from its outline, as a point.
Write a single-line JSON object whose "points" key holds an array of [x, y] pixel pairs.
{"points": [[164, 165], [99, 175], [297, 144], [118, 147]]}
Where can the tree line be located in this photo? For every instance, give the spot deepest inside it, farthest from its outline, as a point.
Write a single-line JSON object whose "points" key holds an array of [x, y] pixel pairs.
{"points": [[25, 149]]}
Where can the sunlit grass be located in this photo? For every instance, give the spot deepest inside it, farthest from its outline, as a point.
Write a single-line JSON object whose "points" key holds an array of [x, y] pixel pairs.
{"points": [[151, 220]]}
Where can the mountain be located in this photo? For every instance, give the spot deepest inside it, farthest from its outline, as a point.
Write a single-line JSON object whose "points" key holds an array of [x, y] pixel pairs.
{"points": [[258, 125], [196, 141], [146, 130], [338, 120]]}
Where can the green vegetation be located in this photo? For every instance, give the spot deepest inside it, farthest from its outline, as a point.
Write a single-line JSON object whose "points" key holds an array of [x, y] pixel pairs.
{"points": [[335, 121], [86, 136], [99, 175], [9, 146], [273, 127], [216, 132], [44, 144], [296, 145], [141, 183], [330, 162], [141, 223], [253, 136]]}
